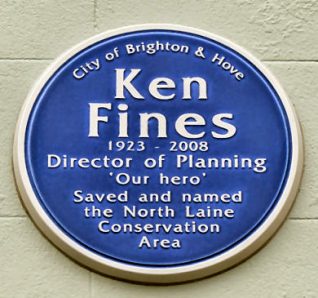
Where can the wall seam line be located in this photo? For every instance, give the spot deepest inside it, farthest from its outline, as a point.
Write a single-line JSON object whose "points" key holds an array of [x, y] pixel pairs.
{"points": [[95, 15], [90, 285], [52, 58], [26, 59]]}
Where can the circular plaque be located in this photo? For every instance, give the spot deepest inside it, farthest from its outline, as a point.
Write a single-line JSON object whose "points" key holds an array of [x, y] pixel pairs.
{"points": [[157, 153]]}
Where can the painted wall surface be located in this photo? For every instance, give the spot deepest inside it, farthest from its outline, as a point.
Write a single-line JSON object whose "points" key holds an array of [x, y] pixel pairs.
{"points": [[282, 33]]}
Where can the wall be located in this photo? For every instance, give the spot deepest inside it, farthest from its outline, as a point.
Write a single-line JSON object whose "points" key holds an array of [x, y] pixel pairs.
{"points": [[283, 34]]}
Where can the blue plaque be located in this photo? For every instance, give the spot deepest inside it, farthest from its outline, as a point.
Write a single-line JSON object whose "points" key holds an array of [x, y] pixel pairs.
{"points": [[158, 153]]}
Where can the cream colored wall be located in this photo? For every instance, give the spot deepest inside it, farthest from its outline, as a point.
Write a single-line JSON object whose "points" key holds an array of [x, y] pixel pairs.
{"points": [[283, 34]]}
